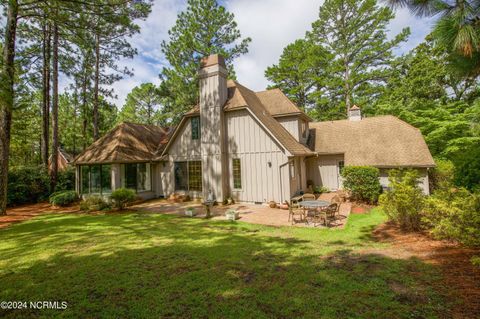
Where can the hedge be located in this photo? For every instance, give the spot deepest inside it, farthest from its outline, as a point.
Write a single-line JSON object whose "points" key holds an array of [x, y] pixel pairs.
{"points": [[362, 182]]}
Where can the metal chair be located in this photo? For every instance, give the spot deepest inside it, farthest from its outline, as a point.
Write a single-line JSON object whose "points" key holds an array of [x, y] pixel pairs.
{"points": [[330, 212], [308, 196]]}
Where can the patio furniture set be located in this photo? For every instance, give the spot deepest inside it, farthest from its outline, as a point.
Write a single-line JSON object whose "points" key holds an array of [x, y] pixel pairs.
{"points": [[312, 211]]}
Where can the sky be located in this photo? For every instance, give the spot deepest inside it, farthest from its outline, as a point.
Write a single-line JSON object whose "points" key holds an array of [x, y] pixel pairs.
{"points": [[272, 24]]}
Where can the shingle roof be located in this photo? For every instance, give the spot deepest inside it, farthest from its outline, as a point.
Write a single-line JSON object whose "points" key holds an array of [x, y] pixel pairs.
{"points": [[383, 141], [240, 97], [278, 104], [127, 142]]}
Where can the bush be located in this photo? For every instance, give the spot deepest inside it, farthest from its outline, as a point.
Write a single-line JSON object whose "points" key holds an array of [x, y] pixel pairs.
{"points": [[442, 176], [454, 214], [27, 185], [122, 197], [66, 180], [320, 190], [93, 203], [403, 202], [63, 198], [362, 182]]}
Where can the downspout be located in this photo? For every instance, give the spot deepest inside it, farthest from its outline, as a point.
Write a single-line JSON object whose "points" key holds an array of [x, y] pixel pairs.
{"points": [[281, 179]]}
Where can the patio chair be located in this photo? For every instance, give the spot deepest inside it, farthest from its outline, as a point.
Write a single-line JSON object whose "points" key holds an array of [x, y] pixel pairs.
{"points": [[295, 211], [330, 212], [308, 196]]}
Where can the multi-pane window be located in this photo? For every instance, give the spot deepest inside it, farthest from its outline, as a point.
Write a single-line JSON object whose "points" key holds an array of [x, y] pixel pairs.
{"points": [[188, 176], [95, 179], [180, 172], [195, 124], [195, 176], [237, 173], [138, 177]]}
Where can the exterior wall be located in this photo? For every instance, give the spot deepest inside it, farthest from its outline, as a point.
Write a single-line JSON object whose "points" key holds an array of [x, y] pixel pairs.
{"points": [[291, 124], [264, 165], [323, 171], [423, 179], [183, 147]]}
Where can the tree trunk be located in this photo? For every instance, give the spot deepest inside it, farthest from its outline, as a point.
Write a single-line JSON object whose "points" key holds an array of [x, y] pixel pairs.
{"points": [[46, 95], [97, 79], [7, 78], [347, 86], [84, 107], [54, 172]]}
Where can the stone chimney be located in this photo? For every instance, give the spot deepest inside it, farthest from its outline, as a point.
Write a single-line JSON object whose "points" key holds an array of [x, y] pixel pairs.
{"points": [[213, 95], [354, 114]]}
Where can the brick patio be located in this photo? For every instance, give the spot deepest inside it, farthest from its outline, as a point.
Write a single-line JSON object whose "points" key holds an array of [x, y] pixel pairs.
{"points": [[250, 213]]}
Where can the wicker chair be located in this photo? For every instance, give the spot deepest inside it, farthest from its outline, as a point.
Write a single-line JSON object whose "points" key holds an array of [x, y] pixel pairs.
{"points": [[293, 211]]}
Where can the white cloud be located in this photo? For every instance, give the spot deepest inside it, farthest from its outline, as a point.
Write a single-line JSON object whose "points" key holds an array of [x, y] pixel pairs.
{"points": [[272, 24], [149, 61]]}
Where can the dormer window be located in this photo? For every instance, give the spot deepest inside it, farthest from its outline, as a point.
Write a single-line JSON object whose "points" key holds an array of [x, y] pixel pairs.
{"points": [[304, 129], [195, 124]]}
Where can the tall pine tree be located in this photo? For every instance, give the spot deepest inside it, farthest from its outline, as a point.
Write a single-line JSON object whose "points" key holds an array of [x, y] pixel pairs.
{"points": [[204, 28]]}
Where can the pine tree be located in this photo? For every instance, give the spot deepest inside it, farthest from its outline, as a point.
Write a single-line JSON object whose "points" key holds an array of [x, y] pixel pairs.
{"points": [[297, 72], [204, 28], [143, 106], [354, 32]]}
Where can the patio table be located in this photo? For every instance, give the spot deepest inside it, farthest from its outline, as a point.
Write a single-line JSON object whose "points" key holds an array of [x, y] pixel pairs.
{"points": [[313, 205]]}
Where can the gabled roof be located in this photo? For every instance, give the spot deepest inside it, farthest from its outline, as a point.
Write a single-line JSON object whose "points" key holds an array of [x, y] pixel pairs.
{"points": [[127, 142], [255, 105], [278, 104], [239, 97], [383, 141]]}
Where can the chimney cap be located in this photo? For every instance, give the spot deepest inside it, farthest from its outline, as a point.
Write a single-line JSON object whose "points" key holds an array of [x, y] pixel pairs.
{"points": [[354, 107], [212, 60]]}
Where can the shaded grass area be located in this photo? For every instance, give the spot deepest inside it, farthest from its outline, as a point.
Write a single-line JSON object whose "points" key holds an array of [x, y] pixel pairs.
{"points": [[152, 265]]}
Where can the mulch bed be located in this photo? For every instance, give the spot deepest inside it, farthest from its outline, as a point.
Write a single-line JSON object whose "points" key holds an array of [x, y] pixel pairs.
{"points": [[460, 277], [25, 212], [359, 208]]}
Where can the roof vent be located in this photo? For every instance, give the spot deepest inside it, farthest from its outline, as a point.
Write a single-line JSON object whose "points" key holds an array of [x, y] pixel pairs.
{"points": [[354, 114]]}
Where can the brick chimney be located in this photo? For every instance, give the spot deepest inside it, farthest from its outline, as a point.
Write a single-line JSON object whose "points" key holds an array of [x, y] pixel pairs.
{"points": [[213, 95], [354, 114]]}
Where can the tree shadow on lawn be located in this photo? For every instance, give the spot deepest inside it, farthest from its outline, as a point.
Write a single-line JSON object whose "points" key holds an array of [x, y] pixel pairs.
{"points": [[168, 268]]}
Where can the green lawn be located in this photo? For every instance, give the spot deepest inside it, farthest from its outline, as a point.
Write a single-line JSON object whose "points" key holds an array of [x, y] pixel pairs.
{"points": [[152, 265]]}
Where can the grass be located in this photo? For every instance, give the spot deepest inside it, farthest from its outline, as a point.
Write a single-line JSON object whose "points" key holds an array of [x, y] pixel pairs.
{"points": [[151, 265]]}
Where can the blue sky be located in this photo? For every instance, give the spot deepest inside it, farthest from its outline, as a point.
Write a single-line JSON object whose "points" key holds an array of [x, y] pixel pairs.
{"points": [[272, 24]]}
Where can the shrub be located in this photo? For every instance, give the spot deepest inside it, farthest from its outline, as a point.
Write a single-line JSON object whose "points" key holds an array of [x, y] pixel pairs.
{"points": [[66, 180], [122, 197], [454, 214], [403, 202], [362, 182], [63, 198], [93, 203], [442, 176], [320, 190], [27, 185]]}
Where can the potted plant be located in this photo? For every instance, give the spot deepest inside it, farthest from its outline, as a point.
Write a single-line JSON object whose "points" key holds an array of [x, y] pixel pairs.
{"points": [[272, 204], [190, 212], [231, 214]]}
